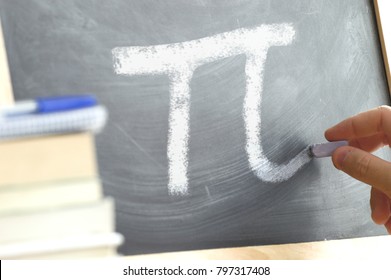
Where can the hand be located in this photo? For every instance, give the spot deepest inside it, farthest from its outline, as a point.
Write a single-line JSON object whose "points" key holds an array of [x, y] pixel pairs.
{"points": [[367, 132]]}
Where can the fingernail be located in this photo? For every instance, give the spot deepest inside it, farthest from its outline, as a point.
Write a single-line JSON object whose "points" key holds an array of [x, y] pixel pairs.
{"points": [[341, 158], [378, 216]]}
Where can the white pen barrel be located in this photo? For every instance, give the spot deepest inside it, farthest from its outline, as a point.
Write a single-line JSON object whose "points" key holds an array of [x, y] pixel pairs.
{"points": [[20, 108]]}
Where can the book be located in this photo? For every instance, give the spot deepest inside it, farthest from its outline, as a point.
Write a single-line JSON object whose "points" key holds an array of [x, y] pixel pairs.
{"points": [[51, 199], [80, 246], [89, 218], [383, 17], [49, 195], [48, 158]]}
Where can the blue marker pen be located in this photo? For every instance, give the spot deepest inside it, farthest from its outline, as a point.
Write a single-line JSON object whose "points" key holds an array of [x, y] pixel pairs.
{"points": [[44, 105]]}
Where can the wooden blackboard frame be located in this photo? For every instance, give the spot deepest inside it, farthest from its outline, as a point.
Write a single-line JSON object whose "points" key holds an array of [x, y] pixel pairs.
{"points": [[380, 12], [6, 93]]}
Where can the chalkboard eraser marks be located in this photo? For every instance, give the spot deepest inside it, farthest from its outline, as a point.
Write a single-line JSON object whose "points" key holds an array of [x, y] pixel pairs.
{"points": [[326, 149], [383, 17]]}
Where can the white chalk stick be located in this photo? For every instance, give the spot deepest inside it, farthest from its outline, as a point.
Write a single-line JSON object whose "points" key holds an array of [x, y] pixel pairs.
{"points": [[326, 149]]}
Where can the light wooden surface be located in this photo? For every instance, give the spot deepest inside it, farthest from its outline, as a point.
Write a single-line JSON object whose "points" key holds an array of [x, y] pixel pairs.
{"points": [[383, 18], [368, 248], [6, 94]]}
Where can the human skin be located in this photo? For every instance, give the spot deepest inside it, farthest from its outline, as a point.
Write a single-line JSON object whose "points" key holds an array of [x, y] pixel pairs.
{"points": [[367, 132]]}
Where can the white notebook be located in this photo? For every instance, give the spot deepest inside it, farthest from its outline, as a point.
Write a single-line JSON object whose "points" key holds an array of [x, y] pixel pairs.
{"points": [[89, 119], [383, 15]]}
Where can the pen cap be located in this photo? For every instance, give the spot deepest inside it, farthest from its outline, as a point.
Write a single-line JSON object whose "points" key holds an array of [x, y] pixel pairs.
{"points": [[62, 103]]}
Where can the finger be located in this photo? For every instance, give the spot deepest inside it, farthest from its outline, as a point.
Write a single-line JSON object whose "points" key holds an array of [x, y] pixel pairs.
{"points": [[371, 143], [380, 206], [364, 167], [362, 125]]}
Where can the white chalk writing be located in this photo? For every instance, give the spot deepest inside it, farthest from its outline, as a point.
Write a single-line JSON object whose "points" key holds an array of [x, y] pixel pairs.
{"points": [[179, 60]]}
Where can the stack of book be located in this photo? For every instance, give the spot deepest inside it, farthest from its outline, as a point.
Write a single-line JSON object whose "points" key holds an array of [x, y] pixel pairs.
{"points": [[51, 200]]}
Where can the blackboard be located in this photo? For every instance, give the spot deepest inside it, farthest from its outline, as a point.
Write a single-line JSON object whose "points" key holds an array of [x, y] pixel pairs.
{"points": [[199, 190]]}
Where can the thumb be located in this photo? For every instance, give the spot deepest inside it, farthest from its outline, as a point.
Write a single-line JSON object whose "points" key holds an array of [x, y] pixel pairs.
{"points": [[364, 167]]}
